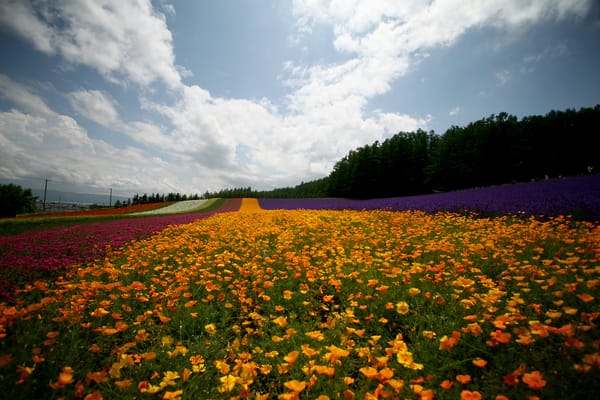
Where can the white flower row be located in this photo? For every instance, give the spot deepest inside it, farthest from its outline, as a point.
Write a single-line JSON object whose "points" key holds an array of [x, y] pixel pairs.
{"points": [[179, 207]]}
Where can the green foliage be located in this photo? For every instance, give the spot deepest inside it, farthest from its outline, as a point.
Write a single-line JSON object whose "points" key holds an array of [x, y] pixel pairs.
{"points": [[395, 167], [494, 150], [315, 188], [15, 200], [158, 198]]}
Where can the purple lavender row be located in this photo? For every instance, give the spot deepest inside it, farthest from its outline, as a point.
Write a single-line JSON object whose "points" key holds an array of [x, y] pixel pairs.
{"points": [[38, 254], [573, 195]]}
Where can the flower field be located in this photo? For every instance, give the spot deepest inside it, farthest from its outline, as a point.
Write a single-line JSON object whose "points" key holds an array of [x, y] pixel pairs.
{"points": [[104, 211], [317, 304], [44, 253], [577, 195], [185, 206]]}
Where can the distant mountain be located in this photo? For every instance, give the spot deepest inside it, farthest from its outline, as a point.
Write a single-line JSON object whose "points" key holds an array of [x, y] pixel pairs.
{"points": [[79, 198], [64, 193]]}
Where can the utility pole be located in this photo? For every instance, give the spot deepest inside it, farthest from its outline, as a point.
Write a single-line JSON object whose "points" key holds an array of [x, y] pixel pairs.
{"points": [[110, 198], [45, 190]]}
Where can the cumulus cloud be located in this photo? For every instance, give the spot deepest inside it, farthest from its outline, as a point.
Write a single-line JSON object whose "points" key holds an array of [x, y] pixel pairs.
{"points": [[503, 77], [36, 141], [21, 97], [215, 141], [126, 41], [95, 105], [455, 111]]}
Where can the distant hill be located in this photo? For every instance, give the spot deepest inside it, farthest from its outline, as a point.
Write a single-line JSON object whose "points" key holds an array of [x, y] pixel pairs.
{"points": [[78, 198]]}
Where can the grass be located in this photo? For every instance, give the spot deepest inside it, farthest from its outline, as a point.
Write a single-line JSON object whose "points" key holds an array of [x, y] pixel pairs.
{"points": [[302, 304]]}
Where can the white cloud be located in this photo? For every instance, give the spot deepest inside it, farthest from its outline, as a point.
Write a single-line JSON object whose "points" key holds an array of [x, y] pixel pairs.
{"points": [[95, 105], [19, 16], [213, 141], [36, 141], [455, 111], [21, 97], [503, 77], [531, 61], [126, 41]]}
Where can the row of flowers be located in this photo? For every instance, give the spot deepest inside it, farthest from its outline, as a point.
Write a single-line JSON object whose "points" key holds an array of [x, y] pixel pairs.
{"points": [[104, 211], [577, 195], [318, 304], [44, 253], [179, 207]]}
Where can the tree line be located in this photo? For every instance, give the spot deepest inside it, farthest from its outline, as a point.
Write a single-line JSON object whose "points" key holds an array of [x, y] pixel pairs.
{"points": [[315, 188], [494, 150], [155, 198], [15, 200]]}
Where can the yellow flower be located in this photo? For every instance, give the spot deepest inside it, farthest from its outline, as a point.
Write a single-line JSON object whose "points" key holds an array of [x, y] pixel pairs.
{"points": [[291, 357], [402, 307], [227, 383], [211, 329], [281, 321], [295, 385], [315, 335], [222, 366], [429, 334]]}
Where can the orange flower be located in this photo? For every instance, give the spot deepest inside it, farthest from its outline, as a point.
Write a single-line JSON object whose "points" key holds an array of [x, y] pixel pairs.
{"points": [[479, 362], [447, 343], [99, 312], [513, 378], [65, 377], [463, 379], [121, 326], [173, 395], [335, 353], [469, 395], [295, 385], [6, 359], [281, 321], [291, 357], [196, 359], [324, 370], [534, 380], [500, 337], [586, 298], [124, 383], [93, 396], [109, 331], [97, 377], [446, 384], [386, 373], [369, 372], [315, 335]]}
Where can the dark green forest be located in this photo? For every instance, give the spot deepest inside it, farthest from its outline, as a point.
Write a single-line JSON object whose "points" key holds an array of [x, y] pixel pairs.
{"points": [[494, 150]]}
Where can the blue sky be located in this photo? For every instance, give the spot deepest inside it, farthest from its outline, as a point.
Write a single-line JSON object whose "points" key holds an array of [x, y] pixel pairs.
{"points": [[190, 96]]}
